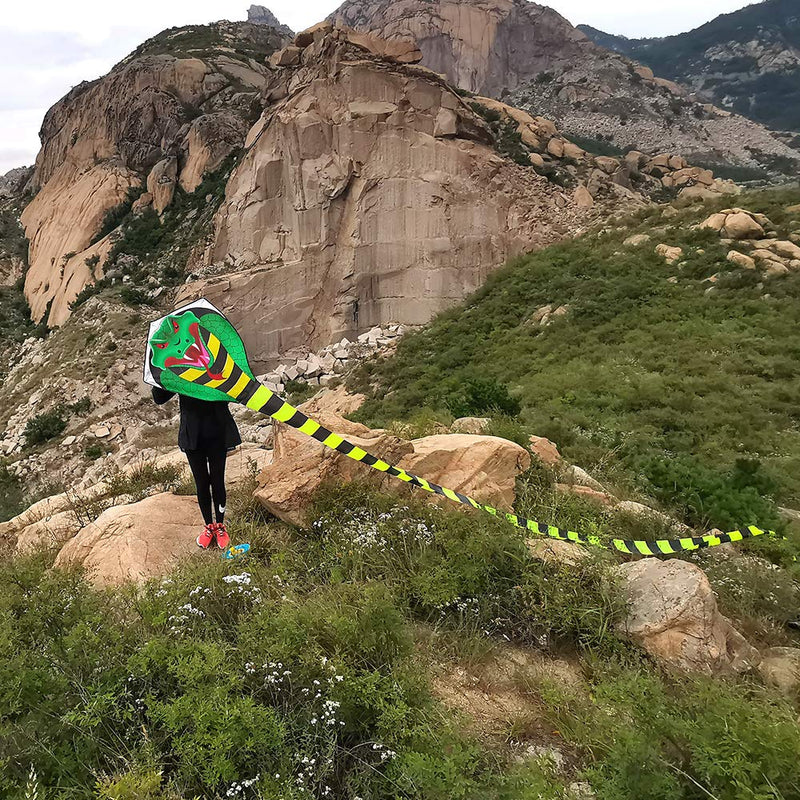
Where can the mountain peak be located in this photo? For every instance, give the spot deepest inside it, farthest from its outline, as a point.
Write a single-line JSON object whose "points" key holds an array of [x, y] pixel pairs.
{"points": [[261, 15]]}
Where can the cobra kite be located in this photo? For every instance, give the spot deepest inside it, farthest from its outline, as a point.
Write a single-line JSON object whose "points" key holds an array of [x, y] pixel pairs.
{"points": [[197, 352]]}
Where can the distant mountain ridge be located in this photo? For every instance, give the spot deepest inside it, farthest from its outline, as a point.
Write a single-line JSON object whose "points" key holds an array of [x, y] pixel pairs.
{"points": [[531, 57], [748, 61]]}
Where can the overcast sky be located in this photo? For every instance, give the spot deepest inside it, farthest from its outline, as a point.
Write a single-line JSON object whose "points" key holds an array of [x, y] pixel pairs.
{"points": [[48, 46]]}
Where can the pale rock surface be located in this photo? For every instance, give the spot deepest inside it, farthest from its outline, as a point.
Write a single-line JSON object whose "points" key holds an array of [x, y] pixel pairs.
{"points": [[555, 551], [673, 615], [474, 425], [301, 464], [483, 467], [348, 211], [741, 259], [105, 136], [582, 197], [545, 450], [161, 183], [133, 543], [741, 225], [780, 667], [670, 254], [587, 493]]}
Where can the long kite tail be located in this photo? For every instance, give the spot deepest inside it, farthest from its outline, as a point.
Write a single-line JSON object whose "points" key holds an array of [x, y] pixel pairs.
{"points": [[243, 389]]}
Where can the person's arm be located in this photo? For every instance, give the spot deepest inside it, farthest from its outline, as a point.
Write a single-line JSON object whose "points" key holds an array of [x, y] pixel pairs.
{"points": [[160, 396]]}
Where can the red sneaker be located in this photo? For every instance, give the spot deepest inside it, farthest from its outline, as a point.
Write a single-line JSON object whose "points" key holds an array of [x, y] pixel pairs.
{"points": [[223, 540], [204, 539]]}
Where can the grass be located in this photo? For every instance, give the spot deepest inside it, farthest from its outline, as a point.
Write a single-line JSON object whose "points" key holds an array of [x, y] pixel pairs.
{"points": [[308, 670], [670, 393]]}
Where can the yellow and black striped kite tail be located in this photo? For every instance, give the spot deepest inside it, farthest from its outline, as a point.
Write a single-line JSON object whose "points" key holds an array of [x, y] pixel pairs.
{"points": [[243, 389]]}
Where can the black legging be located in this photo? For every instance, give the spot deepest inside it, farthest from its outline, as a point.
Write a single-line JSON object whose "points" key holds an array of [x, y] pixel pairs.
{"points": [[208, 468]]}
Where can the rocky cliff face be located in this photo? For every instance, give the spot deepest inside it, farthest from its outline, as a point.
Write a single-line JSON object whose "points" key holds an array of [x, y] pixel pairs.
{"points": [[261, 15], [370, 192], [538, 61], [162, 118], [748, 61]]}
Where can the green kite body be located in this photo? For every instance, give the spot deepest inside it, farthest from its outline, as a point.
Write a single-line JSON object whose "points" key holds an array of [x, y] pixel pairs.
{"points": [[195, 351]]}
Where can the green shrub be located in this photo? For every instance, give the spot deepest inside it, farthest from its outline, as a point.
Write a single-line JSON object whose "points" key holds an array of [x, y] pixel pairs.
{"points": [[142, 478], [219, 677], [94, 451], [80, 407], [469, 573], [114, 216], [44, 427], [646, 737], [11, 494], [481, 395], [133, 296], [88, 291], [298, 392]]}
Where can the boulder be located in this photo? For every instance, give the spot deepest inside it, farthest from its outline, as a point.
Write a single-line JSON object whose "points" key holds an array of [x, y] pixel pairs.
{"points": [[780, 667], [47, 532], [741, 225], [585, 492], [582, 197], [132, 543], [474, 425], [774, 269], [741, 260], [161, 183], [545, 451], [556, 147], [578, 475], [288, 56], [300, 464], [336, 401], [637, 239], [554, 551], [716, 222], [608, 164], [670, 254], [785, 249], [484, 467], [673, 615]]}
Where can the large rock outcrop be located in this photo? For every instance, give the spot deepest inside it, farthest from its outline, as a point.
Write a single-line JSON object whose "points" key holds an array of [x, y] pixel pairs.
{"points": [[186, 95], [535, 59], [484, 467], [673, 615], [135, 542], [370, 192]]}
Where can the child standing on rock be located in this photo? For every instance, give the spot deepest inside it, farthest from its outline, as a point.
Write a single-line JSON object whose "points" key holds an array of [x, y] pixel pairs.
{"points": [[207, 433]]}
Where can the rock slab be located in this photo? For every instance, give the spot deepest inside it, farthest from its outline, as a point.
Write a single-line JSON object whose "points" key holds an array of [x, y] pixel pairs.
{"points": [[673, 615]]}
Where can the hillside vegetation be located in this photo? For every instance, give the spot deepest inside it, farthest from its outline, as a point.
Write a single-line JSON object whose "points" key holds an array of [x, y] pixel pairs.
{"points": [[342, 661], [675, 383], [733, 58]]}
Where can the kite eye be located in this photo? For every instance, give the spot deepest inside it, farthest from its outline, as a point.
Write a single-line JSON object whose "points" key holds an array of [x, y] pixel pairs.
{"points": [[174, 326], [161, 345]]}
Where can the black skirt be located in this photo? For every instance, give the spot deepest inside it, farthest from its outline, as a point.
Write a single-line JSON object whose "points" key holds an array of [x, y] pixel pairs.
{"points": [[205, 425]]}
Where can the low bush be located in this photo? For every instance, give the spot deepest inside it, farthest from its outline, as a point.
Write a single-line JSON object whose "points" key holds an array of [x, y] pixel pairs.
{"points": [[11, 494], [43, 427], [481, 395]]}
